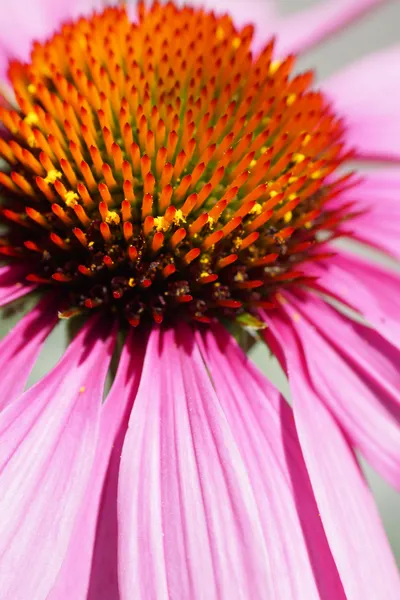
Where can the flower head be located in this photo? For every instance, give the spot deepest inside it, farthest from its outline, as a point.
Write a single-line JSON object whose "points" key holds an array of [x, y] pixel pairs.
{"points": [[168, 175]]}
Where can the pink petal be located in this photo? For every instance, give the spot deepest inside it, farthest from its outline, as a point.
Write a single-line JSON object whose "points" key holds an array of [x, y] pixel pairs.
{"points": [[262, 422], [48, 438], [378, 197], [366, 287], [302, 30], [367, 94], [12, 284], [29, 20], [195, 520], [92, 553], [20, 348], [346, 506], [356, 379]]}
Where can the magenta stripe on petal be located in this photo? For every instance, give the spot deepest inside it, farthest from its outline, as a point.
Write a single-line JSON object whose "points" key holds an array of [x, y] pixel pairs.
{"points": [[196, 521], [104, 572], [353, 375], [12, 284], [367, 94], [48, 438], [346, 506], [262, 422], [20, 348], [365, 286], [90, 568]]}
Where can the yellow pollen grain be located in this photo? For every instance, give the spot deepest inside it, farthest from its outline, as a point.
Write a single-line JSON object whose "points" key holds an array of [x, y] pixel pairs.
{"points": [[292, 197], [31, 118], [298, 158], [131, 282], [308, 225], [113, 218], [296, 317], [316, 174], [52, 176], [220, 34], [288, 216], [236, 43], [160, 224], [237, 242], [71, 198], [306, 140], [291, 99], [293, 179], [204, 274], [253, 164], [204, 259], [210, 222], [273, 193], [31, 141], [239, 277], [263, 149], [178, 218], [82, 389], [256, 210], [274, 66], [32, 88]]}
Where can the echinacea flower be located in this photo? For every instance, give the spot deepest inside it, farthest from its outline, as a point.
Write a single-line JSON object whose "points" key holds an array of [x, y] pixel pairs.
{"points": [[167, 178]]}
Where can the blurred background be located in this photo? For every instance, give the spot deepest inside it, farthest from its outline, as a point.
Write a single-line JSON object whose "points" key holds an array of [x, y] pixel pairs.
{"points": [[377, 30]]}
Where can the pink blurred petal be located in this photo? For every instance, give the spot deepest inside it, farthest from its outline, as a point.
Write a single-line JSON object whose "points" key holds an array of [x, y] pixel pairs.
{"points": [[346, 506], [24, 21], [48, 438], [91, 555], [367, 94], [194, 518], [355, 378], [365, 286], [378, 197], [20, 348], [262, 422], [12, 285], [303, 29]]}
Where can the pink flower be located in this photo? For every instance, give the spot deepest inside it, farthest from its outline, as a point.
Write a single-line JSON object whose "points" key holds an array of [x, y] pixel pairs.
{"points": [[156, 171]]}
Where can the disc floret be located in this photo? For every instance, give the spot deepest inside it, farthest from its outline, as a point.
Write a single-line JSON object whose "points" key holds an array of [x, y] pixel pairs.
{"points": [[162, 169]]}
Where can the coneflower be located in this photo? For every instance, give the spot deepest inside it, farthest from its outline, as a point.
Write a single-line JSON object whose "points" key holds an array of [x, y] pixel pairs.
{"points": [[167, 177]]}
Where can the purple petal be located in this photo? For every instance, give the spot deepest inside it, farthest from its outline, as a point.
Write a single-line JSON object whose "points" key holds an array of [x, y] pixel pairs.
{"points": [[365, 286], [355, 373], [349, 516], [367, 94], [48, 438], [199, 510], [20, 348]]}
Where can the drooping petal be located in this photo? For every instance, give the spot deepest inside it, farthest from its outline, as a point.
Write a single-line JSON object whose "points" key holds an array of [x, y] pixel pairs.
{"points": [[92, 553], [355, 374], [377, 198], [303, 29], [12, 285], [346, 506], [48, 439], [20, 348], [194, 520], [262, 423], [367, 94], [365, 286]]}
